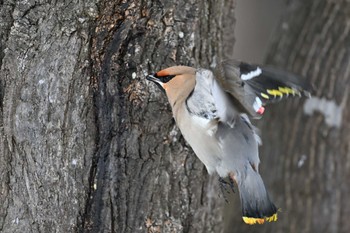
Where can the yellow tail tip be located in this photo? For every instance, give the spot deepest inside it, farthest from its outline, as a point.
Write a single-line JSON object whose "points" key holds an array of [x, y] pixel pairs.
{"points": [[252, 221]]}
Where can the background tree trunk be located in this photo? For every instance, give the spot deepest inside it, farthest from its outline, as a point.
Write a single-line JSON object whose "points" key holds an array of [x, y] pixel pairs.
{"points": [[306, 143], [87, 145]]}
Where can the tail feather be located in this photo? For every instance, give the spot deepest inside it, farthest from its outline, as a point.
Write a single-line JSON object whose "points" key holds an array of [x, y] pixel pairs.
{"points": [[256, 204]]}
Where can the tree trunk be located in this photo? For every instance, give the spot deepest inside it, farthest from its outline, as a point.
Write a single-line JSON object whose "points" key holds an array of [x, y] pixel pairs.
{"points": [[87, 144], [306, 142]]}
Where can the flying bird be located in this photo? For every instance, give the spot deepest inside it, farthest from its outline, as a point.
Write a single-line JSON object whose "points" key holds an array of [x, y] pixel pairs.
{"points": [[212, 110]]}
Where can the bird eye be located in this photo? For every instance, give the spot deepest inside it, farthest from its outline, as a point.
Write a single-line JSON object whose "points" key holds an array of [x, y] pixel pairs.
{"points": [[165, 79]]}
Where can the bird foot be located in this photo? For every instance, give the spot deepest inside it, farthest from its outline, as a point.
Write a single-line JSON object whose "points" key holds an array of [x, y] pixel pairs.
{"points": [[224, 187]]}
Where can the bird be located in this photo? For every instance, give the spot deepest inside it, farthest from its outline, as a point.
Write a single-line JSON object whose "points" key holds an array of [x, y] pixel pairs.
{"points": [[213, 108]]}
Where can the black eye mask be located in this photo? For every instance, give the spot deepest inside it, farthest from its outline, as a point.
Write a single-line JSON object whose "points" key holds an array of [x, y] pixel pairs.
{"points": [[165, 79]]}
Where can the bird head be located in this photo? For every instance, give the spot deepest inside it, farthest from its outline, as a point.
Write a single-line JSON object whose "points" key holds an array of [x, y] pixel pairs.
{"points": [[176, 81]]}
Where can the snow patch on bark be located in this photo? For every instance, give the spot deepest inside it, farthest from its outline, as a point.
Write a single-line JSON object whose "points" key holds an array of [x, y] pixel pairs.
{"points": [[329, 108]]}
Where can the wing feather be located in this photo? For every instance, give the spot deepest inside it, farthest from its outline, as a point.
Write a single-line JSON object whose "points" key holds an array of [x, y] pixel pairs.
{"points": [[253, 86]]}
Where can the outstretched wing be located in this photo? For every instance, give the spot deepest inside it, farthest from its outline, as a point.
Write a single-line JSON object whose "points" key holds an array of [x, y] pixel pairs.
{"points": [[254, 86]]}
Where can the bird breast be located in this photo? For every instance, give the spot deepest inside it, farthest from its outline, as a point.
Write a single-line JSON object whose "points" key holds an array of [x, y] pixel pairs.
{"points": [[201, 103]]}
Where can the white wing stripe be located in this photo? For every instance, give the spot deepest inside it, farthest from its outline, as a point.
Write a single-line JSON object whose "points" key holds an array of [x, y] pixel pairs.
{"points": [[251, 74]]}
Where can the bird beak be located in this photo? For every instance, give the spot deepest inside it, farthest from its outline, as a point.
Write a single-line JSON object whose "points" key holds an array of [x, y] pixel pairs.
{"points": [[153, 78]]}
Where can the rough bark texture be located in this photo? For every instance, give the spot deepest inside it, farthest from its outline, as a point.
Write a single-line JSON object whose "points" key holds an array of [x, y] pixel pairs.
{"points": [[47, 116], [87, 145], [306, 143]]}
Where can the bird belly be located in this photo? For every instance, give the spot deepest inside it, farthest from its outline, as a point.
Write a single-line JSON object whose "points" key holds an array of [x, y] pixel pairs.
{"points": [[200, 134]]}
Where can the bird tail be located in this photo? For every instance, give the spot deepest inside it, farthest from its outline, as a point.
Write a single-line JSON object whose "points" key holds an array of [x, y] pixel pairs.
{"points": [[256, 204]]}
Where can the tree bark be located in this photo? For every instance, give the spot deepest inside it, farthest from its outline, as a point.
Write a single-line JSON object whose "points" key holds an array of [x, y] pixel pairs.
{"points": [[87, 144], [306, 142]]}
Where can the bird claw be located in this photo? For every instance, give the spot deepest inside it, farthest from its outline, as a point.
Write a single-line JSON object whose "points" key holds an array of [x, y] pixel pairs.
{"points": [[223, 186], [232, 185]]}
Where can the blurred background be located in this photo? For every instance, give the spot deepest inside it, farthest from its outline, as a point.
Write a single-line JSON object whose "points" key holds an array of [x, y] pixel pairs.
{"points": [[256, 21], [305, 156]]}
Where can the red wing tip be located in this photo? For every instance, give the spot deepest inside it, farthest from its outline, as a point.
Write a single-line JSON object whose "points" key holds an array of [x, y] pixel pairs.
{"points": [[261, 110]]}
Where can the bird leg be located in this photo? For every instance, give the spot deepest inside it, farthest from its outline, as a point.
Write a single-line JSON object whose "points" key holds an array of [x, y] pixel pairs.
{"points": [[223, 186], [232, 184]]}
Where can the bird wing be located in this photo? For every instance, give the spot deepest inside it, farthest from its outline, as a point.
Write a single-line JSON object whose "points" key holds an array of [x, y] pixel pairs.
{"points": [[253, 87], [239, 145]]}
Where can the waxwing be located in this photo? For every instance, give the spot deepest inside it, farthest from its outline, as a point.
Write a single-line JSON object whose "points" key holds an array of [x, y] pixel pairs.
{"points": [[211, 110]]}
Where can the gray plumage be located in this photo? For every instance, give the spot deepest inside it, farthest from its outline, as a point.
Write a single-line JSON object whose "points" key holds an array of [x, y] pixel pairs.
{"points": [[227, 128], [211, 112]]}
